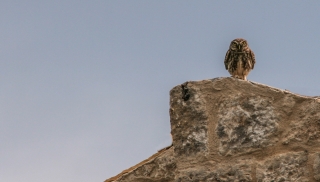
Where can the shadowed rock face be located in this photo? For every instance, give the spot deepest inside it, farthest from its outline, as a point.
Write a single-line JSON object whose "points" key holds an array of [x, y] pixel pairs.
{"points": [[227, 129]]}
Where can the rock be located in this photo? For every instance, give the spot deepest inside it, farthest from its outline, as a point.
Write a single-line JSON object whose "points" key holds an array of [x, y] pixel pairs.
{"points": [[237, 171], [227, 129], [245, 123], [316, 166], [159, 167], [188, 113], [284, 167]]}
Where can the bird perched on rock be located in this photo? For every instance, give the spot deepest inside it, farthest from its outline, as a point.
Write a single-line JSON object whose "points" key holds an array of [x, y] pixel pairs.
{"points": [[240, 59]]}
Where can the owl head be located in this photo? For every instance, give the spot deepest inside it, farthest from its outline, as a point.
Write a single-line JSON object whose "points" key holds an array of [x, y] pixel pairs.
{"points": [[239, 45]]}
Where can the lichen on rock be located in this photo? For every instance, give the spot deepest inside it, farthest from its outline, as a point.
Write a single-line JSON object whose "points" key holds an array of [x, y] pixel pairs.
{"points": [[245, 123], [284, 167]]}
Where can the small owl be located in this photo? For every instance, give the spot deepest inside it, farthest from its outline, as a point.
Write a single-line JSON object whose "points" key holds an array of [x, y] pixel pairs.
{"points": [[239, 60]]}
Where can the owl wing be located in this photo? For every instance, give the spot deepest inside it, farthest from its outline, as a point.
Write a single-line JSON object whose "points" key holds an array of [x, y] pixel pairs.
{"points": [[227, 59], [253, 59]]}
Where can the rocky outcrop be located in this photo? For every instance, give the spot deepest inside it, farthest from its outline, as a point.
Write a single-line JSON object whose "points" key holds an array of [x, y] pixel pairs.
{"points": [[157, 168], [227, 129]]}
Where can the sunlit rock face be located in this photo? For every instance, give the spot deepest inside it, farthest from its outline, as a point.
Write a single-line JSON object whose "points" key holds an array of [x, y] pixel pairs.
{"points": [[227, 129]]}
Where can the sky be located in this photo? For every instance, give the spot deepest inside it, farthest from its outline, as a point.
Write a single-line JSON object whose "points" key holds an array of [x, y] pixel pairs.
{"points": [[85, 84]]}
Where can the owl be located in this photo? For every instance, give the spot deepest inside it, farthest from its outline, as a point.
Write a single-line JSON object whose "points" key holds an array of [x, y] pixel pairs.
{"points": [[240, 59]]}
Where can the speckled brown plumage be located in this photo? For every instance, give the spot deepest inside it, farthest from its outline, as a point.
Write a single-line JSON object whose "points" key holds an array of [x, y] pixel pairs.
{"points": [[240, 59]]}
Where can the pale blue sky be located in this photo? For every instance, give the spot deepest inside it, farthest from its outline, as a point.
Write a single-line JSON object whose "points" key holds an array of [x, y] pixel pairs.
{"points": [[85, 84]]}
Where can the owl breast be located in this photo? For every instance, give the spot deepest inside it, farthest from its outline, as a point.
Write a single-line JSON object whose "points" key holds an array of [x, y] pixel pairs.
{"points": [[241, 72], [239, 65]]}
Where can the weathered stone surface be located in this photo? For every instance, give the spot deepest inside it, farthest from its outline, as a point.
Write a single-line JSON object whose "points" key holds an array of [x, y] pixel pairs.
{"points": [[227, 129], [316, 166], [245, 123], [239, 171], [305, 125], [284, 167], [235, 172], [187, 111]]}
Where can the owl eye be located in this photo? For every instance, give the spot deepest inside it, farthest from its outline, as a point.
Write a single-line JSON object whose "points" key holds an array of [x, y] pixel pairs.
{"points": [[244, 44]]}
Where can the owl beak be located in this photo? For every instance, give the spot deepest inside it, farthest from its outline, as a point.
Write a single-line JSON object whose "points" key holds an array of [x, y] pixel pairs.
{"points": [[239, 48]]}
